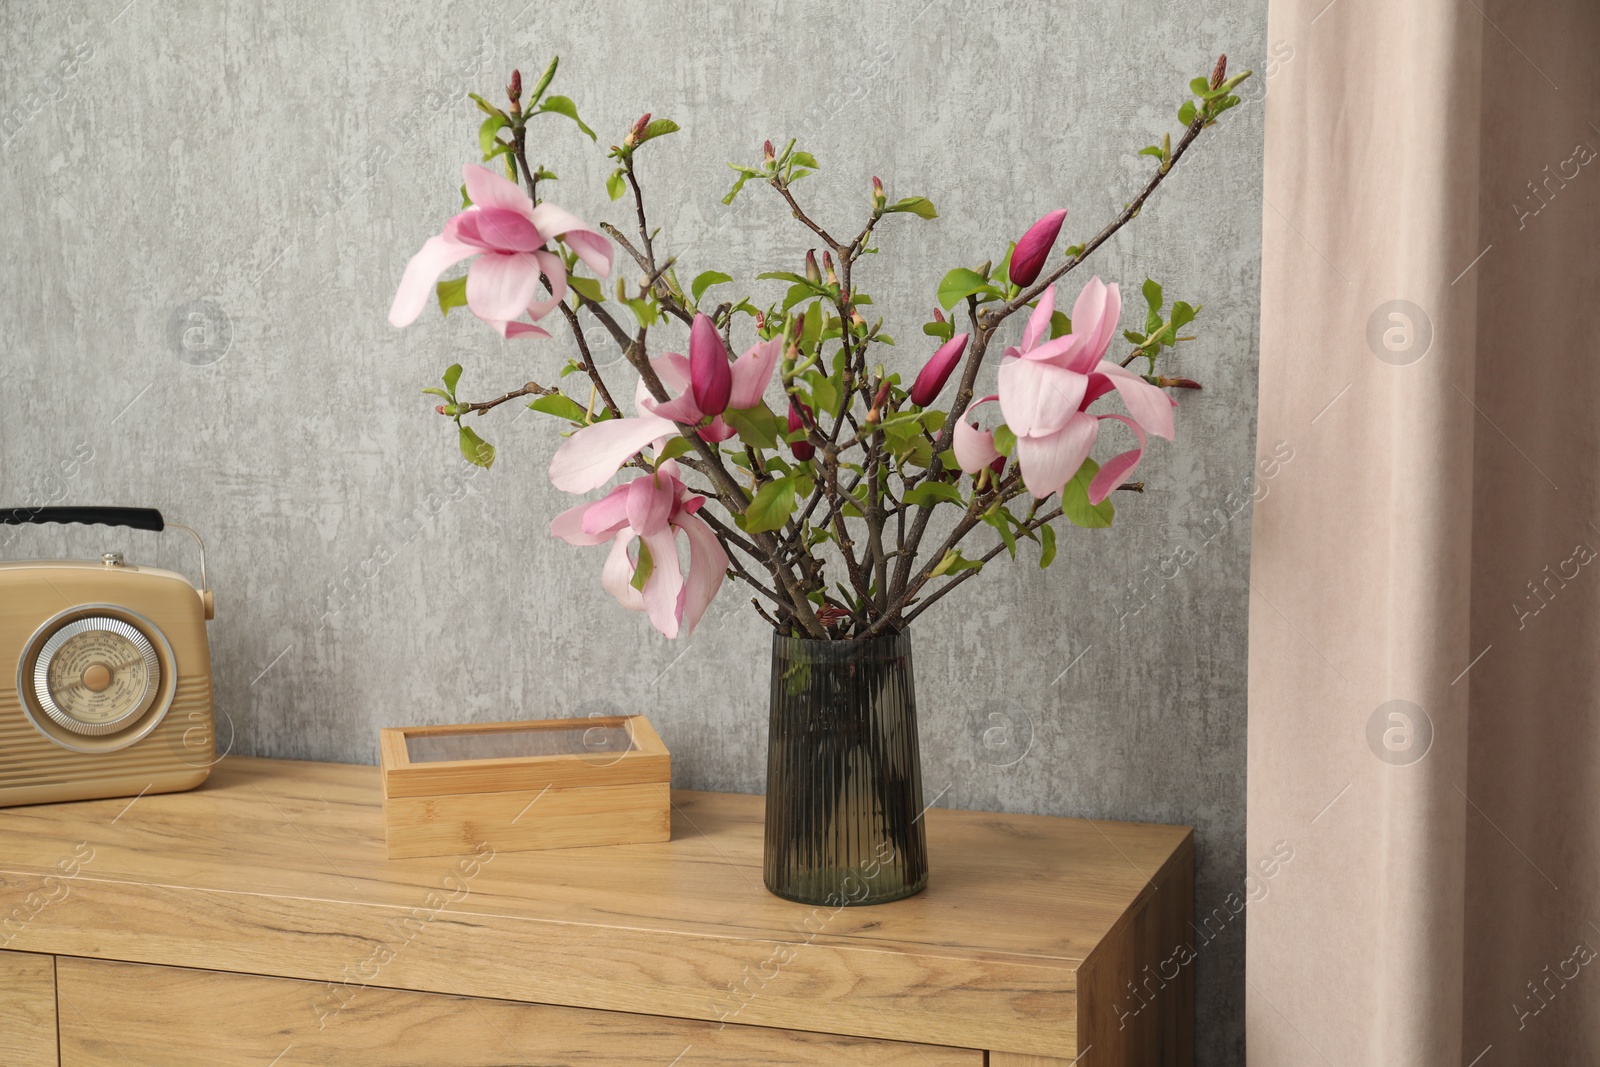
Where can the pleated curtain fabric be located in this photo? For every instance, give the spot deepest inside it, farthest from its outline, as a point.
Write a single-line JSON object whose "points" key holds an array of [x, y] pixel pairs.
{"points": [[1425, 586]]}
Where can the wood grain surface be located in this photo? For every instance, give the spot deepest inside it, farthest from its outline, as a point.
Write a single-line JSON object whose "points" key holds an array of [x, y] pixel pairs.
{"points": [[279, 868], [27, 1010], [115, 1014]]}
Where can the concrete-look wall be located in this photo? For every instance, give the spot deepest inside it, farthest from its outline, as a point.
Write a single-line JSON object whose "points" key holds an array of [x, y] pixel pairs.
{"points": [[207, 207]]}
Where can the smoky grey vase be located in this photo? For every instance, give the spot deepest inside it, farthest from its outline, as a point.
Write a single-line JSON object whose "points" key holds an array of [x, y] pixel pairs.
{"points": [[844, 773]]}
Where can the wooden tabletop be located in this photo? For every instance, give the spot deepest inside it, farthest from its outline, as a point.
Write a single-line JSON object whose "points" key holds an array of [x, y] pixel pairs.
{"points": [[279, 868]]}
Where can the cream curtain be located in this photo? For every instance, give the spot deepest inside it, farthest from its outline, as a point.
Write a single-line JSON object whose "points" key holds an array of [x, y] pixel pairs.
{"points": [[1425, 587]]}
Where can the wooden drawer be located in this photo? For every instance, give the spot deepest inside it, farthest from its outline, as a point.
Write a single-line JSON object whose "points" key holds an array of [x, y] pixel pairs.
{"points": [[114, 1014]]}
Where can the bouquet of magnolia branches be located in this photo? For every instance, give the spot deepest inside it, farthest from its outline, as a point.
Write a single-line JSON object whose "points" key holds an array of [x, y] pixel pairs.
{"points": [[779, 451]]}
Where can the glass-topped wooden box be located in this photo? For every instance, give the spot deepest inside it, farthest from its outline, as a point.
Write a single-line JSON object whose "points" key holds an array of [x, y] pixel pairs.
{"points": [[550, 783]]}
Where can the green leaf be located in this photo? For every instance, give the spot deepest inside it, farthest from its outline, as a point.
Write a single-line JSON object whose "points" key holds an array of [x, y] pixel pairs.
{"points": [[1000, 519], [544, 81], [1200, 86], [1152, 294], [804, 159], [1186, 112], [771, 506], [958, 285], [706, 280], [645, 566], [658, 128], [588, 288], [745, 174], [954, 563], [926, 494], [1152, 150], [756, 426], [787, 276], [1060, 325], [452, 375], [1047, 546], [1183, 314], [434, 390], [562, 105], [452, 293], [1005, 442], [476, 449], [486, 133], [1133, 338], [824, 391], [1075, 500], [919, 206], [796, 294], [942, 330], [486, 107], [616, 184], [674, 448], [560, 406]]}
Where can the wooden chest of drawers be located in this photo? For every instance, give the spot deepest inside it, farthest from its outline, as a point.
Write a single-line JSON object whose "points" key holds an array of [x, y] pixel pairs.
{"points": [[258, 922]]}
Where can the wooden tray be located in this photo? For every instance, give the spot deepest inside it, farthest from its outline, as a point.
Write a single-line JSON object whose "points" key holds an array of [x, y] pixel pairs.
{"points": [[550, 783]]}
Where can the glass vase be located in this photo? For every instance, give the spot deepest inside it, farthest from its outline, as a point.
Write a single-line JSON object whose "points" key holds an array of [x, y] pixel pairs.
{"points": [[844, 774]]}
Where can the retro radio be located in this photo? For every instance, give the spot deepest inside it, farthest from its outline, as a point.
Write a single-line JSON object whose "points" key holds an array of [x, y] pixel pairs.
{"points": [[112, 693]]}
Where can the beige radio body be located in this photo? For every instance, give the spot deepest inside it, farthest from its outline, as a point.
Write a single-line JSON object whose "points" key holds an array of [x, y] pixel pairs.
{"points": [[168, 741]]}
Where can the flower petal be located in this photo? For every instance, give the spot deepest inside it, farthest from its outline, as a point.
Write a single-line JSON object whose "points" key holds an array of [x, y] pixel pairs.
{"points": [[501, 286], [1038, 398], [751, 373], [708, 566], [678, 409], [1038, 328], [1118, 467], [569, 527], [1094, 321], [590, 245], [617, 575], [592, 455], [649, 504], [710, 377], [1048, 462], [556, 271], [661, 589], [1146, 403], [974, 448], [607, 515], [485, 188], [502, 230], [436, 256]]}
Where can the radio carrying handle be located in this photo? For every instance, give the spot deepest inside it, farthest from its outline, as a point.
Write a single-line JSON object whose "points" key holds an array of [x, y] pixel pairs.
{"points": [[135, 518]]}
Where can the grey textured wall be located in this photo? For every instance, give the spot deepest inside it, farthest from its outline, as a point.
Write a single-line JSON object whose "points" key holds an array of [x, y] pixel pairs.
{"points": [[270, 167]]}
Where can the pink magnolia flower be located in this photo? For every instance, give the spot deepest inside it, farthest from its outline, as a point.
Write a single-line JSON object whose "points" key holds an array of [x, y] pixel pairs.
{"points": [[936, 372], [1046, 385], [1029, 257], [588, 458], [652, 509], [510, 237]]}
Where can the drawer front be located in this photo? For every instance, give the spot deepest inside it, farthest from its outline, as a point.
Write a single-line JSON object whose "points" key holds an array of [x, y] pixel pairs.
{"points": [[113, 1014], [27, 1009]]}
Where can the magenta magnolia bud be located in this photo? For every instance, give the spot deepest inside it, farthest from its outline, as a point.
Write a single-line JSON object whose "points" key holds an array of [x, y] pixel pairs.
{"points": [[803, 450], [514, 90], [936, 372], [938, 316], [710, 377], [1034, 248], [767, 155], [878, 200]]}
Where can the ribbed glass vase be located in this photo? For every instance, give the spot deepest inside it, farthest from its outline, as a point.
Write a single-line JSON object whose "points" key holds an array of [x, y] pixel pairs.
{"points": [[844, 774]]}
